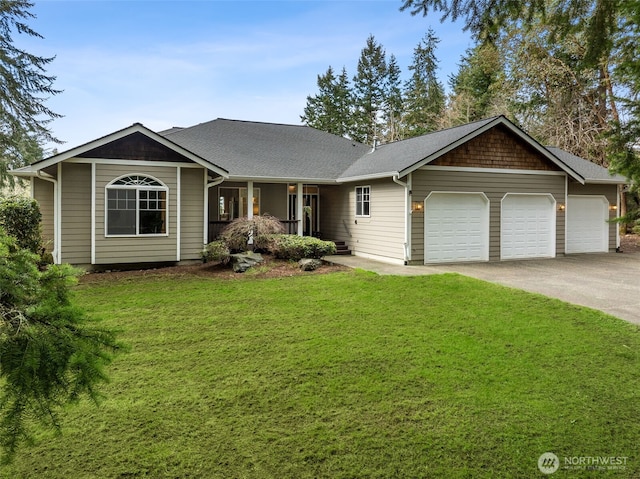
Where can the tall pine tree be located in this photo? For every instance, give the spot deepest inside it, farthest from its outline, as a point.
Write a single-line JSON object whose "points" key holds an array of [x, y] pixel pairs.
{"points": [[393, 104], [24, 117], [330, 109], [477, 88], [370, 91], [424, 94]]}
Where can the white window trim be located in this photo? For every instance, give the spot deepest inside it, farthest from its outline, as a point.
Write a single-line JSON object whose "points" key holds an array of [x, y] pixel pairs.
{"points": [[356, 201], [137, 188]]}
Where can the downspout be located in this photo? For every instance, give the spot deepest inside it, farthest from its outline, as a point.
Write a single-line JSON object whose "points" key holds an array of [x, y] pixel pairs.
{"points": [[211, 184], [56, 217], [178, 212], [618, 214], [407, 218]]}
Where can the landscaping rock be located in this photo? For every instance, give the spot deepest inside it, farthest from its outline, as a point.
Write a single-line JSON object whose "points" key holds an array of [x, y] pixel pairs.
{"points": [[243, 261], [307, 264]]}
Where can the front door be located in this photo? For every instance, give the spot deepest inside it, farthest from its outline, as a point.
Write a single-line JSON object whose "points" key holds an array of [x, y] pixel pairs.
{"points": [[310, 202]]}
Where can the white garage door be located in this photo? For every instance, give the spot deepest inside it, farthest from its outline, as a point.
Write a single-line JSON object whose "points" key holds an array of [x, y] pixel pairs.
{"points": [[527, 226], [587, 227], [456, 227]]}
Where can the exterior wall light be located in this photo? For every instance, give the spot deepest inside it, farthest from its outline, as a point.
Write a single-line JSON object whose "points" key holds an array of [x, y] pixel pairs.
{"points": [[417, 206], [561, 207], [613, 207]]}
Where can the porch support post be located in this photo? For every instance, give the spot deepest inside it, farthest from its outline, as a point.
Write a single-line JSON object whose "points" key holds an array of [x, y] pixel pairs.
{"points": [[249, 199], [299, 208], [250, 207]]}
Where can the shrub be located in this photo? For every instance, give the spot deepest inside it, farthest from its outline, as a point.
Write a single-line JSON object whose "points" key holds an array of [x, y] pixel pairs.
{"points": [[295, 248], [265, 243], [216, 251], [236, 235], [20, 219]]}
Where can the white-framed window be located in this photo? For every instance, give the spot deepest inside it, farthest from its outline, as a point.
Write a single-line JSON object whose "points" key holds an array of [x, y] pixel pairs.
{"points": [[363, 201], [136, 205]]}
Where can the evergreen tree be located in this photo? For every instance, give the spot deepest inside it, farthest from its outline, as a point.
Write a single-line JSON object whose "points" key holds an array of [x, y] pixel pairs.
{"points": [[477, 88], [424, 94], [343, 100], [393, 104], [50, 354], [561, 59], [319, 110], [370, 84], [25, 88], [558, 95], [330, 109], [596, 19], [624, 140]]}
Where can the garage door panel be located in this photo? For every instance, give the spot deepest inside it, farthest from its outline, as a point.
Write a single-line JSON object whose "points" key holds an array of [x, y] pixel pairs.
{"points": [[527, 226], [587, 227], [456, 227]]}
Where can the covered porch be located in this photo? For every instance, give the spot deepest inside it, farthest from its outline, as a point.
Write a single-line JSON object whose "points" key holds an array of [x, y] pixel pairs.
{"points": [[228, 200]]}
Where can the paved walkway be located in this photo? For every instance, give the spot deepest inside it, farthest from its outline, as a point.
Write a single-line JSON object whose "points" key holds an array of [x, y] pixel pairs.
{"points": [[608, 282]]}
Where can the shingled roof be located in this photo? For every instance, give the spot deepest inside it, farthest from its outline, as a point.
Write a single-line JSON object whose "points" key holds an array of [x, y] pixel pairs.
{"points": [[402, 157], [591, 172], [276, 152], [269, 150], [393, 158]]}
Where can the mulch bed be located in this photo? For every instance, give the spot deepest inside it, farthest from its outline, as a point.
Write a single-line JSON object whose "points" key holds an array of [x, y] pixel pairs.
{"points": [[270, 268], [630, 243]]}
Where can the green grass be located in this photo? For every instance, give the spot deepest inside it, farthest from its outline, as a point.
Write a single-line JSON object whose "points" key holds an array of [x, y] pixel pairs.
{"points": [[347, 375]]}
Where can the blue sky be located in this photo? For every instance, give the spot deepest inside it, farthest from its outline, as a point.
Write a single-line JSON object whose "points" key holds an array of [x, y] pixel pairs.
{"points": [[179, 63]]}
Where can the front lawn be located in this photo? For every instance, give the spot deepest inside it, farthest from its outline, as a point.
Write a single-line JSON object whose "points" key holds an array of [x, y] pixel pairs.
{"points": [[347, 375]]}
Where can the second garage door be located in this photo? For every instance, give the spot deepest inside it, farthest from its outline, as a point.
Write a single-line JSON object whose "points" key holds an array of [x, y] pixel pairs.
{"points": [[527, 226], [456, 227]]}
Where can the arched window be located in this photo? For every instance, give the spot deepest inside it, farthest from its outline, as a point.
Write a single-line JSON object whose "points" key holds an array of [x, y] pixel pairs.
{"points": [[136, 205]]}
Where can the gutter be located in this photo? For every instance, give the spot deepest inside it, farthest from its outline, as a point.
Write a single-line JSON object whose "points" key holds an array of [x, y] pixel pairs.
{"points": [[373, 176], [407, 215]]}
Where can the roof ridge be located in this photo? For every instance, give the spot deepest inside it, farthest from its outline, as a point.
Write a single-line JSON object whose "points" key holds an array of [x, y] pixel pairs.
{"points": [[255, 122]]}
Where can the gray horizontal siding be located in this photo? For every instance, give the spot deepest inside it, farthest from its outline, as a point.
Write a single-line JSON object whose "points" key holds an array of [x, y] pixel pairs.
{"points": [[75, 224], [494, 186], [381, 234], [134, 249], [273, 199], [43, 194], [335, 223], [191, 213]]}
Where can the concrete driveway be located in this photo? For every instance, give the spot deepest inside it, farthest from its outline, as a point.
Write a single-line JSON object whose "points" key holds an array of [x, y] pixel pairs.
{"points": [[608, 282]]}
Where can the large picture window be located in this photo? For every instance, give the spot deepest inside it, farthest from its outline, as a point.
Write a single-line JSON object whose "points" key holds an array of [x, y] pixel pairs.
{"points": [[363, 201], [136, 205]]}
